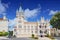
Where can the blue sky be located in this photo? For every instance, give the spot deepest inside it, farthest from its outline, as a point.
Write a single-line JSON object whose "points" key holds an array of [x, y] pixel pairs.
{"points": [[46, 6], [33, 9]]}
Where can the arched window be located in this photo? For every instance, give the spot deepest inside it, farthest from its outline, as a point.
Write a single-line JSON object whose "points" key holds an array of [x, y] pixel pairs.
{"points": [[45, 26], [45, 31], [41, 31], [40, 26], [32, 27], [15, 30]]}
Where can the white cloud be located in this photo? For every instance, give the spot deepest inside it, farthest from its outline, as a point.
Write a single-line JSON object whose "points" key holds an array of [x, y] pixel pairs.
{"points": [[3, 7], [31, 13], [46, 10], [52, 12], [6, 5]]}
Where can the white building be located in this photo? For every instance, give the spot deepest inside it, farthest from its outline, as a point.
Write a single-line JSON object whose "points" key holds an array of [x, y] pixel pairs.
{"points": [[3, 24], [26, 29]]}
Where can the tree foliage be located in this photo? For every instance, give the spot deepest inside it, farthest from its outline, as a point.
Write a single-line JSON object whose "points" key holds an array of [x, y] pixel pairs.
{"points": [[10, 33], [55, 20]]}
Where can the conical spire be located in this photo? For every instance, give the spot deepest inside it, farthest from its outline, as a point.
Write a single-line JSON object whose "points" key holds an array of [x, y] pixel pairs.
{"points": [[42, 18], [20, 9]]}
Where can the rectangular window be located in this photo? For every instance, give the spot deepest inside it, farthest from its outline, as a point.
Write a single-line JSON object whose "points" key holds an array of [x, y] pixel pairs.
{"points": [[20, 26], [24, 28], [32, 32], [35, 31], [28, 28], [19, 21], [36, 28], [32, 27]]}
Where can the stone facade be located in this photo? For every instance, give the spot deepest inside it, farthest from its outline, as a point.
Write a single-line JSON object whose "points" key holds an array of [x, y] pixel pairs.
{"points": [[55, 32], [24, 28], [3, 24]]}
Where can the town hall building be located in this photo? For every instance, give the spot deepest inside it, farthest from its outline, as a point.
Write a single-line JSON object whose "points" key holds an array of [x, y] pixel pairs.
{"points": [[26, 29]]}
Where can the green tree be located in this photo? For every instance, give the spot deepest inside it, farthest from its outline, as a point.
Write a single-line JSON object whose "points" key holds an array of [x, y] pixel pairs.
{"points": [[55, 20], [10, 33]]}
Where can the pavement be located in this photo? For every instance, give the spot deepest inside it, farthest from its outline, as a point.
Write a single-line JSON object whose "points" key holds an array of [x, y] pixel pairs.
{"points": [[4, 38], [44, 38], [40, 38], [57, 38]]}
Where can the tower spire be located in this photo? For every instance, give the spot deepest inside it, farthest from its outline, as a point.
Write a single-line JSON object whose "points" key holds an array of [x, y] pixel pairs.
{"points": [[20, 9], [19, 12], [42, 19]]}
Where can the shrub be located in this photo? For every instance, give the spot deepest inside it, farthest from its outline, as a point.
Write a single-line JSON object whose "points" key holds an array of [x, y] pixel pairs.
{"points": [[36, 37], [32, 35], [0, 33], [49, 36], [14, 36]]}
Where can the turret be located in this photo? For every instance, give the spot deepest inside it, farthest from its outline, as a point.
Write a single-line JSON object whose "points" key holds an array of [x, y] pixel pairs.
{"points": [[42, 19], [17, 14], [21, 11], [4, 17]]}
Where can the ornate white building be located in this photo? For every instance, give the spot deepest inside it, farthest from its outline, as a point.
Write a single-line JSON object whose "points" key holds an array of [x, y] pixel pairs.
{"points": [[26, 29], [3, 24]]}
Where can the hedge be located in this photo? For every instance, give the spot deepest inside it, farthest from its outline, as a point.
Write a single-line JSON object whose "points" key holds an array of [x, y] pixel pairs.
{"points": [[3, 33]]}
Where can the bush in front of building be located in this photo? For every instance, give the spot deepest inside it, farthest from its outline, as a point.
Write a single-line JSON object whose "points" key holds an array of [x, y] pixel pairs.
{"points": [[49, 36], [3, 33], [32, 35], [35, 37], [0, 33]]}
